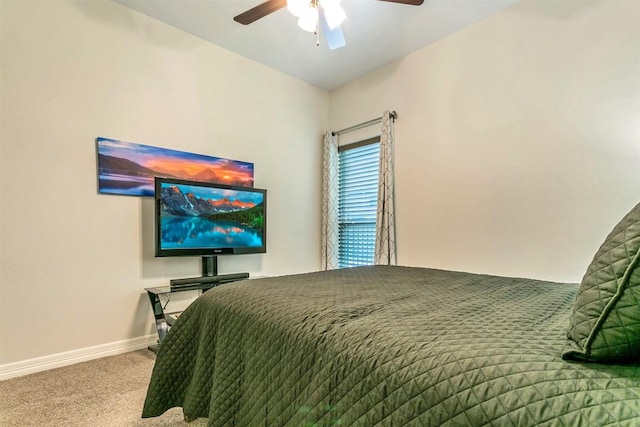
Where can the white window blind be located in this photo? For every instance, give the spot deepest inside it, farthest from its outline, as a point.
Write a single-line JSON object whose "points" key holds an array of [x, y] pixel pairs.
{"points": [[358, 195]]}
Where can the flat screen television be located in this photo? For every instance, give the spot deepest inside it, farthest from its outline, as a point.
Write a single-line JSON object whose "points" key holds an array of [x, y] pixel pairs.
{"points": [[205, 219]]}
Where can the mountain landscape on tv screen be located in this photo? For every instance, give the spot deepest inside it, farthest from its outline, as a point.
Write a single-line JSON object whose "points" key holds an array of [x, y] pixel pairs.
{"points": [[177, 203]]}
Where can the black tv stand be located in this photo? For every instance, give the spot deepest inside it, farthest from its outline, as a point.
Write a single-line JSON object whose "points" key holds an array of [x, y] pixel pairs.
{"points": [[209, 276], [197, 282], [164, 320]]}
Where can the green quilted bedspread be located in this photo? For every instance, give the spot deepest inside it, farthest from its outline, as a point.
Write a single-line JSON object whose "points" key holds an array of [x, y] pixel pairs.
{"points": [[386, 346]]}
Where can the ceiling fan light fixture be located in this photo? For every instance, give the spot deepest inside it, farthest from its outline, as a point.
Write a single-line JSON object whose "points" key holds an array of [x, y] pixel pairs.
{"points": [[308, 20], [297, 7]]}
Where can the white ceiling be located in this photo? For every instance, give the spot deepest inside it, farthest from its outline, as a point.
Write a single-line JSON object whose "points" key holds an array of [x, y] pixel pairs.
{"points": [[377, 32]]}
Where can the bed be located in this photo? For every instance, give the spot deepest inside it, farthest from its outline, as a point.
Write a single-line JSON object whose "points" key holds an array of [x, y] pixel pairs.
{"points": [[409, 346]]}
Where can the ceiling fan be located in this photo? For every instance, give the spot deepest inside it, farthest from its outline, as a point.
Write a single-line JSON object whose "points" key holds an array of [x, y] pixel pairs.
{"points": [[312, 15]]}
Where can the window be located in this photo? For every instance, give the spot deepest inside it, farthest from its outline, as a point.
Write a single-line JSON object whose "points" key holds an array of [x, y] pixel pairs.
{"points": [[357, 202]]}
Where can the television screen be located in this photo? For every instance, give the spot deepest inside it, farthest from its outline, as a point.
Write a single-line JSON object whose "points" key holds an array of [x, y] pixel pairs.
{"points": [[198, 218]]}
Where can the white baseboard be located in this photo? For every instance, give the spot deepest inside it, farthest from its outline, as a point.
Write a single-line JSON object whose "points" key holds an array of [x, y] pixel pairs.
{"points": [[38, 364]]}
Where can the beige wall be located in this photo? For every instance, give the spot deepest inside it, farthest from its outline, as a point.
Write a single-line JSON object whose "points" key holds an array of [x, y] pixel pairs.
{"points": [[73, 264], [518, 139]]}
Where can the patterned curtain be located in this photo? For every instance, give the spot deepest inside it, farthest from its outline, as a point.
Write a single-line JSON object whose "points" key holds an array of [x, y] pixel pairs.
{"points": [[385, 252], [330, 202]]}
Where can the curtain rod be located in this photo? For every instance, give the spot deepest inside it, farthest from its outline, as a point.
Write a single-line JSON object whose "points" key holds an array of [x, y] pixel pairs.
{"points": [[394, 116]]}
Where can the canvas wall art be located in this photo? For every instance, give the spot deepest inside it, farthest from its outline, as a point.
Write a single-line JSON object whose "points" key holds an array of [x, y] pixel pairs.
{"points": [[128, 168]]}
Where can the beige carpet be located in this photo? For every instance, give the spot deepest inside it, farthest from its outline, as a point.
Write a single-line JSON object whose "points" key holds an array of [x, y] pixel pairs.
{"points": [[106, 392]]}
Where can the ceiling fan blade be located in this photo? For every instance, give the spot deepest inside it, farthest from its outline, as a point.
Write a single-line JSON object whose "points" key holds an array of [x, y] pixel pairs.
{"points": [[408, 2], [335, 38], [260, 11]]}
